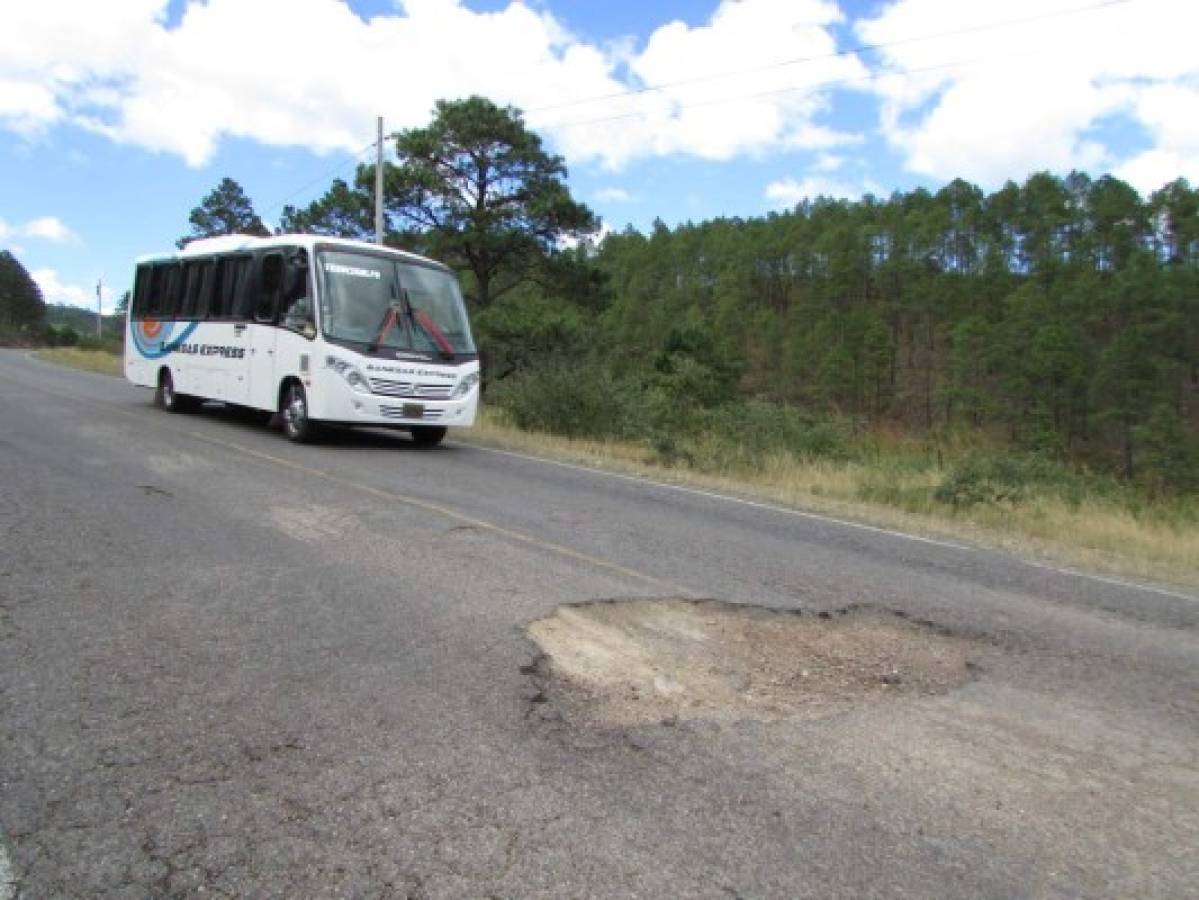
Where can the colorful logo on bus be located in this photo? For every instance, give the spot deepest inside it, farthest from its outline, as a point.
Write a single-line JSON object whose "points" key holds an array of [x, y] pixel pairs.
{"points": [[154, 339]]}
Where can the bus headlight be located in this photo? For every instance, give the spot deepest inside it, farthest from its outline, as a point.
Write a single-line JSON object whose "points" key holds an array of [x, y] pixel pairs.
{"points": [[353, 377], [465, 385]]}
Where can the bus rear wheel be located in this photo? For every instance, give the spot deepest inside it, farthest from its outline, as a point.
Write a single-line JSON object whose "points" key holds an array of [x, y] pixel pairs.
{"points": [[169, 399], [427, 435], [297, 425]]}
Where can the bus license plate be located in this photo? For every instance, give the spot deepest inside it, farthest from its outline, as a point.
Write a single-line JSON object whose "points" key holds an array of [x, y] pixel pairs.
{"points": [[414, 411]]}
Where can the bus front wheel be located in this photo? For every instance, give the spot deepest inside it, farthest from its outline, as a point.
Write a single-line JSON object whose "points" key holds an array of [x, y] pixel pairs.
{"points": [[297, 426], [427, 435]]}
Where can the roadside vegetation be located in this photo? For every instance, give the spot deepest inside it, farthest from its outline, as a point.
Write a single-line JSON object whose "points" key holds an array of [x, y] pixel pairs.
{"points": [[965, 492], [962, 491], [103, 361], [1019, 366]]}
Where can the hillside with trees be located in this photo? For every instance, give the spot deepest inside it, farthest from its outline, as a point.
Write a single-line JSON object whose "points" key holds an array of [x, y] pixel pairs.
{"points": [[1053, 322], [1060, 316]]}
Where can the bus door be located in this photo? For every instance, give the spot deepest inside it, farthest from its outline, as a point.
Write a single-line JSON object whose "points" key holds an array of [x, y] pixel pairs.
{"points": [[263, 333]]}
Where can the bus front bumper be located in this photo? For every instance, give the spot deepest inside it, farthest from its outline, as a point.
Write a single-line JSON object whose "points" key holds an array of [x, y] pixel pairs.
{"points": [[374, 409]]}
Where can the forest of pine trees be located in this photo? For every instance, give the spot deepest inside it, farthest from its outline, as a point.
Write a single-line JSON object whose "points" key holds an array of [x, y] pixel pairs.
{"points": [[1056, 320], [1059, 317]]}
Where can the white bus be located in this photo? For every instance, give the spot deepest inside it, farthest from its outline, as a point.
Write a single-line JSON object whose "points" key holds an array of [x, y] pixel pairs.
{"points": [[319, 330]]}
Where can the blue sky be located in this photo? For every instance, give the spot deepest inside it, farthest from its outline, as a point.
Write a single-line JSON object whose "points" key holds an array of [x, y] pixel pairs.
{"points": [[116, 118]]}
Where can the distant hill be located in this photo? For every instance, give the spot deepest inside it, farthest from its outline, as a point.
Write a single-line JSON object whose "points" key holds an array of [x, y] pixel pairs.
{"points": [[81, 320]]}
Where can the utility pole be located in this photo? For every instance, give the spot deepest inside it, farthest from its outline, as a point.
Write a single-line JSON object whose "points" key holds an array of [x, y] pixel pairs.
{"points": [[99, 309], [379, 185]]}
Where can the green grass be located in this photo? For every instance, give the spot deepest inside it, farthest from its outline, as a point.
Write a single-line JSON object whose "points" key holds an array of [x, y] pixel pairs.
{"points": [[963, 492], [101, 361]]}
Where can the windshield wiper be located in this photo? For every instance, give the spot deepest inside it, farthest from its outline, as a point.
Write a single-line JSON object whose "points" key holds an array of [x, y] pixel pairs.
{"points": [[391, 319], [426, 324]]}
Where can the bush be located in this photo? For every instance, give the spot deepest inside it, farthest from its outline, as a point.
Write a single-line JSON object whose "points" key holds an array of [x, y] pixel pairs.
{"points": [[759, 429], [982, 479], [888, 487], [60, 336], [114, 344], [1008, 478], [573, 401], [1169, 456]]}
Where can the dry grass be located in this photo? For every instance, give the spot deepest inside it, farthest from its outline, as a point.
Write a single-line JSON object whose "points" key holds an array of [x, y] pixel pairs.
{"points": [[90, 360], [1099, 537], [1092, 535]]}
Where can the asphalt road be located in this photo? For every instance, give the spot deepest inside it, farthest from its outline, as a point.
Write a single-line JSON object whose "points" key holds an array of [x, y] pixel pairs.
{"points": [[232, 666]]}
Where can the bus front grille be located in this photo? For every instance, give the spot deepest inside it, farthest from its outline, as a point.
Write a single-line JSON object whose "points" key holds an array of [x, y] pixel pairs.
{"points": [[397, 412], [389, 388]]}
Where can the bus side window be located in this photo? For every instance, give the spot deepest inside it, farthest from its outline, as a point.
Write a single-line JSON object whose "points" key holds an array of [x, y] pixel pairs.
{"points": [[157, 292], [171, 295], [295, 312], [270, 284], [203, 289], [225, 287], [241, 300], [187, 296], [141, 292]]}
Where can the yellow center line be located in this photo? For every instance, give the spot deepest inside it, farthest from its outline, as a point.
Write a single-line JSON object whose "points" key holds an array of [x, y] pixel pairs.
{"points": [[393, 496], [446, 511]]}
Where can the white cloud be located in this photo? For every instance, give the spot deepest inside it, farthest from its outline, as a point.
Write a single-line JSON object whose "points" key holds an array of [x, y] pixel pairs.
{"points": [[612, 195], [790, 191], [312, 73], [729, 87], [27, 108], [51, 52], [46, 228], [55, 291], [990, 101]]}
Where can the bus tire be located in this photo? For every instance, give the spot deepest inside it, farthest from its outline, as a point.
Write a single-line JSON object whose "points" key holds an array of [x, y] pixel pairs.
{"points": [[169, 399], [427, 435], [293, 413]]}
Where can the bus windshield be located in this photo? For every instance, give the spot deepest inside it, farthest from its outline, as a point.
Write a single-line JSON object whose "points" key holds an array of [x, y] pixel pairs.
{"points": [[392, 304]]}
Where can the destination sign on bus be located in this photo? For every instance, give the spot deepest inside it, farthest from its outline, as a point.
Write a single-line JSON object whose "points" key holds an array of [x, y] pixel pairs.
{"points": [[339, 269]]}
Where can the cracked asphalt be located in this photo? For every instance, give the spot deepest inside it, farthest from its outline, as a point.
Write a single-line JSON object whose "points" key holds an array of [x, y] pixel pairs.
{"points": [[230, 666]]}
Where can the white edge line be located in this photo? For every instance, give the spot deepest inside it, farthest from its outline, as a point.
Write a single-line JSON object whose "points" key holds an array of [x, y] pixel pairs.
{"points": [[755, 504], [1118, 582], [8, 881], [714, 495], [698, 492]]}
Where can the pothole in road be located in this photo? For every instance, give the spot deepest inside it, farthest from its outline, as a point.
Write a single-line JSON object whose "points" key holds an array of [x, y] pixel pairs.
{"points": [[625, 662]]}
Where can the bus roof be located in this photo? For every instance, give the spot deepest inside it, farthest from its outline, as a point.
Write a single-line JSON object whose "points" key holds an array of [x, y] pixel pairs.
{"points": [[232, 243]]}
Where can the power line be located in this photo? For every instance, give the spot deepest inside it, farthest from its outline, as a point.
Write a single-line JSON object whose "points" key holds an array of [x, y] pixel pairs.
{"points": [[806, 89], [802, 91], [325, 177], [849, 51]]}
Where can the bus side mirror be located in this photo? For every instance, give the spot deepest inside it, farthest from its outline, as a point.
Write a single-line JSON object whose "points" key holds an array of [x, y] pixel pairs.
{"points": [[295, 282]]}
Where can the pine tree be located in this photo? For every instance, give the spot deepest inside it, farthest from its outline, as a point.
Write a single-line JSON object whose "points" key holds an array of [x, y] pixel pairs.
{"points": [[21, 303], [226, 210]]}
